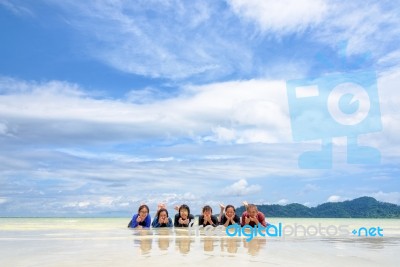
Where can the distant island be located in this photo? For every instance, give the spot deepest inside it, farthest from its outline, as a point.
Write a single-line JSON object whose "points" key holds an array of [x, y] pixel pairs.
{"points": [[363, 207]]}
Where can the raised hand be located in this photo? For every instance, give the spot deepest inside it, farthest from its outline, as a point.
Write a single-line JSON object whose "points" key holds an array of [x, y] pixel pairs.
{"points": [[182, 221], [254, 219]]}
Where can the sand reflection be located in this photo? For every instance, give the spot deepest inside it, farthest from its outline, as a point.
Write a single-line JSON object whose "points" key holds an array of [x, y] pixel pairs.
{"points": [[184, 242], [255, 245], [230, 245]]}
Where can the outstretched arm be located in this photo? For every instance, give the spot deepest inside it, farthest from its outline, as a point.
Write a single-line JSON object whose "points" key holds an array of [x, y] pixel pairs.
{"points": [[134, 223]]}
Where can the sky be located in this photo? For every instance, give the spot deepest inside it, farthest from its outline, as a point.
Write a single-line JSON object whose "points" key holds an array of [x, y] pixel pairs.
{"points": [[105, 105]]}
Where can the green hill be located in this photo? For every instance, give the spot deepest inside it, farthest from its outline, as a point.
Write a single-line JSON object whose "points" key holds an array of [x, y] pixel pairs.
{"points": [[363, 207]]}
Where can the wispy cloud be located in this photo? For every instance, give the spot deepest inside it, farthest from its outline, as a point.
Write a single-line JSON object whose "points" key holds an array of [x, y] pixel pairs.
{"points": [[367, 28], [181, 40], [351, 28], [241, 188], [173, 39], [281, 17], [17, 8], [391, 197]]}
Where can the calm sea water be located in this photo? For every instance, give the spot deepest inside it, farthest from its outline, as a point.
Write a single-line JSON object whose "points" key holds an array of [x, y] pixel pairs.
{"points": [[107, 242]]}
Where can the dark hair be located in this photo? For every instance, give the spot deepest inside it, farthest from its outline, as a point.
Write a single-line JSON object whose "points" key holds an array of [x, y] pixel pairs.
{"points": [[230, 206], [144, 206], [205, 208], [251, 206], [184, 206], [161, 210]]}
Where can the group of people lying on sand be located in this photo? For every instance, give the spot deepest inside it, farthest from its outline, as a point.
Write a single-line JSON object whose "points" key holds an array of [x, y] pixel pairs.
{"points": [[183, 218]]}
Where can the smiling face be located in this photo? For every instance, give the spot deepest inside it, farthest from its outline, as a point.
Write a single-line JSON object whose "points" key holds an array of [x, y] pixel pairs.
{"points": [[143, 212], [163, 215], [230, 212], [252, 212], [184, 213], [207, 213]]}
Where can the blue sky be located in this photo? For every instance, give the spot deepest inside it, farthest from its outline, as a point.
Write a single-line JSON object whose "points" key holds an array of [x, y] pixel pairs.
{"points": [[108, 104]]}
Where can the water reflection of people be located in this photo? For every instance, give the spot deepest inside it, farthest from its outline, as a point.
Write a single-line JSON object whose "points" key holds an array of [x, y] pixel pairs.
{"points": [[231, 244], [163, 238], [254, 245], [145, 245], [208, 244], [144, 240], [183, 244], [163, 243]]}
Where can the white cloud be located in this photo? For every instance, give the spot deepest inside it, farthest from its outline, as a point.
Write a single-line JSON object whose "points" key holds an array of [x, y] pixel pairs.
{"points": [[184, 39], [16, 9], [365, 28], [145, 96], [241, 188], [283, 201], [281, 17], [350, 27], [334, 198], [238, 112], [180, 39], [391, 197], [3, 200], [389, 96]]}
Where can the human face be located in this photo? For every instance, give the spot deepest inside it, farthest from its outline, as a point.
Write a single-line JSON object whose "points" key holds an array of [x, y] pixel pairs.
{"points": [[252, 212], [163, 215], [207, 213], [184, 213], [230, 212], [143, 212]]}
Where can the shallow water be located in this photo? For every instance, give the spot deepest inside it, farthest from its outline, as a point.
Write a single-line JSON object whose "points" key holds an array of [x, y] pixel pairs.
{"points": [[107, 242]]}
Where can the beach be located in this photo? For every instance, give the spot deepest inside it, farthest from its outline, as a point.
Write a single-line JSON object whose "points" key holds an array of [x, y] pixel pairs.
{"points": [[108, 242]]}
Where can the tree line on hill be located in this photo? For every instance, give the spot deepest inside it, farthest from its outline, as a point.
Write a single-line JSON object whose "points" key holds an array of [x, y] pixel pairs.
{"points": [[363, 207]]}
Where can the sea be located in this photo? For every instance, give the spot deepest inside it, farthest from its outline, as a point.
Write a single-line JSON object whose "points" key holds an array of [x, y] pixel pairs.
{"points": [[29, 242]]}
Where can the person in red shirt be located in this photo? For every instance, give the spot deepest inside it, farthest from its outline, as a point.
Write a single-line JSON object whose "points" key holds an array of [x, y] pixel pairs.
{"points": [[253, 217]]}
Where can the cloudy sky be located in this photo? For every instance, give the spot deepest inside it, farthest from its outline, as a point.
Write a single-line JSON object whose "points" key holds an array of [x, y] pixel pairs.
{"points": [[108, 104]]}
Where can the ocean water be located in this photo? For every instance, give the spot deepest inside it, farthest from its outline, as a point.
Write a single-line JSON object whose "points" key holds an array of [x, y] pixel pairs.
{"points": [[108, 242]]}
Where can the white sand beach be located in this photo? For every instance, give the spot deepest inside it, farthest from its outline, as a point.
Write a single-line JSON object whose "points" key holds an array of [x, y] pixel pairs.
{"points": [[107, 242]]}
